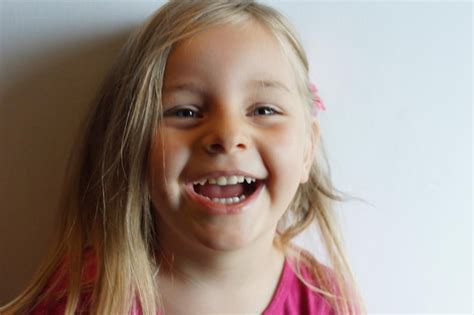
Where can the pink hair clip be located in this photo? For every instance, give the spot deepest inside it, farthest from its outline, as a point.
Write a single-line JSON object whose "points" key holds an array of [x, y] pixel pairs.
{"points": [[318, 104]]}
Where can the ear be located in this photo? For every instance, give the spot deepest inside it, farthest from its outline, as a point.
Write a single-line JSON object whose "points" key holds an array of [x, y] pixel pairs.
{"points": [[310, 150]]}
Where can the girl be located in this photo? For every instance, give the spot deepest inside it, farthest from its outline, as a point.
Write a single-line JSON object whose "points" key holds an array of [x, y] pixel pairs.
{"points": [[197, 170]]}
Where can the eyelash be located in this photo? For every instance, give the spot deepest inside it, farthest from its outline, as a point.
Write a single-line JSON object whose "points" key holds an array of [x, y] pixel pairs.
{"points": [[274, 111], [174, 112], [196, 114]]}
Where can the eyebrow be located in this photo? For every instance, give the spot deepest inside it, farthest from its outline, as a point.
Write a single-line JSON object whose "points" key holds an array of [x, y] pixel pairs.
{"points": [[260, 83], [183, 87], [269, 84]]}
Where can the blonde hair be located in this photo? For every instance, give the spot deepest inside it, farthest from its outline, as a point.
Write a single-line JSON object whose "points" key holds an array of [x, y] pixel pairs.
{"points": [[107, 204]]}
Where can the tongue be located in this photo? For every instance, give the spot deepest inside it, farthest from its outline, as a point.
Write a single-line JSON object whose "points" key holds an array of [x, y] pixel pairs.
{"points": [[216, 191]]}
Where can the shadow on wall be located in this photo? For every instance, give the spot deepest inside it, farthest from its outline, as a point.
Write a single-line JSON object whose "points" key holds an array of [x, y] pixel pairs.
{"points": [[43, 99]]}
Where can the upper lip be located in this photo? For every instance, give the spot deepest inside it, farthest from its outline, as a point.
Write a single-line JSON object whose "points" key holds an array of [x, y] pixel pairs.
{"points": [[215, 174]]}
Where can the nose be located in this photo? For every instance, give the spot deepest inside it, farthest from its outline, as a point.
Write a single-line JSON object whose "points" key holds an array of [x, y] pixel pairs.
{"points": [[226, 135]]}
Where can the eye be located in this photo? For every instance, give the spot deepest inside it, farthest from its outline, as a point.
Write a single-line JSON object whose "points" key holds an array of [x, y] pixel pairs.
{"points": [[184, 112], [263, 111]]}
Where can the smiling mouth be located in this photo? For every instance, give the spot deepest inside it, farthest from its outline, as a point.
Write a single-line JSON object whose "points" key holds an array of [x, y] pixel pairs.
{"points": [[228, 194], [224, 200]]}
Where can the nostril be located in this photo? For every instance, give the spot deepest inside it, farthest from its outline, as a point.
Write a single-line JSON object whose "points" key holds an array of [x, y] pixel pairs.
{"points": [[216, 147], [224, 145]]}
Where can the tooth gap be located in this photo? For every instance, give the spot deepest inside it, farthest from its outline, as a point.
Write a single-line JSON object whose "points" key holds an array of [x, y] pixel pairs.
{"points": [[250, 188]]}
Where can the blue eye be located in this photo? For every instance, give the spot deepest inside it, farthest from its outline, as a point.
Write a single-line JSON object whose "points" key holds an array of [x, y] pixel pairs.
{"points": [[264, 111]]}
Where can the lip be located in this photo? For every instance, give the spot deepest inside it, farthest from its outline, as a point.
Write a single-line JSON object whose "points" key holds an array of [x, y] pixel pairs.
{"points": [[216, 174], [215, 208]]}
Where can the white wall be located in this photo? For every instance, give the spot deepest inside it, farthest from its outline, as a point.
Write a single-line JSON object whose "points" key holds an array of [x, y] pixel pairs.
{"points": [[396, 78]]}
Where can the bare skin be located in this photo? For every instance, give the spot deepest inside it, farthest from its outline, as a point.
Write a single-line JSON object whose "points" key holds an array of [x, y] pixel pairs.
{"points": [[216, 264], [240, 283]]}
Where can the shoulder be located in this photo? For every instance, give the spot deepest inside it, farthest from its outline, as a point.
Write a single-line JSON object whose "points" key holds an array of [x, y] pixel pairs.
{"points": [[299, 289], [53, 297], [311, 278], [312, 272]]}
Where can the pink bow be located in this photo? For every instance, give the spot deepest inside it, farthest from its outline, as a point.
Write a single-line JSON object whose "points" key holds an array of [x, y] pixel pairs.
{"points": [[318, 102]]}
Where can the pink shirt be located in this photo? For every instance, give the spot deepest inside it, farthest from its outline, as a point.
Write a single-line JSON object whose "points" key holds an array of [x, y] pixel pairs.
{"points": [[291, 297]]}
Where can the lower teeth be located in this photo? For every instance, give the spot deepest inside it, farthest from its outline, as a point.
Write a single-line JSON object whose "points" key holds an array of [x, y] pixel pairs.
{"points": [[229, 200]]}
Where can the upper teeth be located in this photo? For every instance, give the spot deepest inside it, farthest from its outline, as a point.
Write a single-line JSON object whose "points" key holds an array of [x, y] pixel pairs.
{"points": [[226, 180]]}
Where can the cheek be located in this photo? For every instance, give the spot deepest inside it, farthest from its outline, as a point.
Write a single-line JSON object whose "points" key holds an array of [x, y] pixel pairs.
{"points": [[167, 156], [284, 159], [286, 144], [166, 164]]}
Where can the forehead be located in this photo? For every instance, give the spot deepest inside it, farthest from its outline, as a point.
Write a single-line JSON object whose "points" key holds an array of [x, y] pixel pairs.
{"points": [[230, 55]]}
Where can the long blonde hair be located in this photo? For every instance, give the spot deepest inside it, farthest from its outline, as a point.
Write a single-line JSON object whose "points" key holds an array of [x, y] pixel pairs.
{"points": [[106, 205]]}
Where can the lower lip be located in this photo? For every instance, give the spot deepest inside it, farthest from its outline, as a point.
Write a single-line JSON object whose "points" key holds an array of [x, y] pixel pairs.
{"points": [[216, 208]]}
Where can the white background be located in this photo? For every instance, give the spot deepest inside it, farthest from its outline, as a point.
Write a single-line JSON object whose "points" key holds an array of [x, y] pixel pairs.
{"points": [[396, 78]]}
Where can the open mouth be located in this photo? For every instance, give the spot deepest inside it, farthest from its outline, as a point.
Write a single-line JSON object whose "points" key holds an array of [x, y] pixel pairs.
{"points": [[227, 194]]}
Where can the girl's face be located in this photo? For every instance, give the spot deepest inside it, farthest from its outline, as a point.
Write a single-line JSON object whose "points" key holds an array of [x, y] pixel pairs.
{"points": [[230, 108]]}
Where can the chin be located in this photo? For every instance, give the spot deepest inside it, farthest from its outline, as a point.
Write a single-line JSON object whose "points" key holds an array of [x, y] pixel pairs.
{"points": [[225, 240]]}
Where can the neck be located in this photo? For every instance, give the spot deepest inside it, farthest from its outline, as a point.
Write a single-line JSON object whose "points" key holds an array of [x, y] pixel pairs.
{"points": [[189, 262], [243, 279]]}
